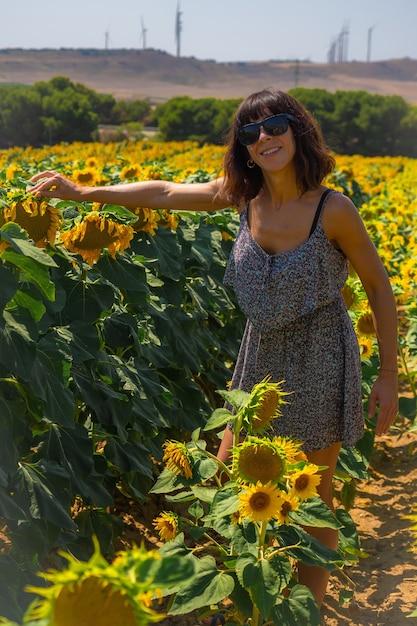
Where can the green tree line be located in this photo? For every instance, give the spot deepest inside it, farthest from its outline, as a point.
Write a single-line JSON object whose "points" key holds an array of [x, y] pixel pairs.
{"points": [[353, 122]]}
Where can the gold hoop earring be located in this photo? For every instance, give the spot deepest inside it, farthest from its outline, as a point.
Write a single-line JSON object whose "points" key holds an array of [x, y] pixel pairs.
{"points": [[250, 164]]}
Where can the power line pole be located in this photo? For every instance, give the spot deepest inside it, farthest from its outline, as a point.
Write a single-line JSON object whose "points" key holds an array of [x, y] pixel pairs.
{"points": [[143, 33], [368, 52], [178, 29]]}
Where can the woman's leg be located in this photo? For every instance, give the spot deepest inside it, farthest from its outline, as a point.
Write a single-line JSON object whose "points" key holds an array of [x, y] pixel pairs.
{"points": [[316, 578]]}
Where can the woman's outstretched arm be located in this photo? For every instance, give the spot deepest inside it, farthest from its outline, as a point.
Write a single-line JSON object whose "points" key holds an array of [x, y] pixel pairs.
{"points": [[155, 194]]}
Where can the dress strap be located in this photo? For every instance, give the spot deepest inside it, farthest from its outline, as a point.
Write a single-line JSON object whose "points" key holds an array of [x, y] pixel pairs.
{"points": [[318, 210]]}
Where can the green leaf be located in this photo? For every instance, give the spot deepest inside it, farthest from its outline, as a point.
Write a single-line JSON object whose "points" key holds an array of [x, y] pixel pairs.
{"points": [[9, 286], [218, 418], [345, 596], [73, 450], [225, 502], [236, 398], [17, 347], [86, 301], [82, 339], [314, 512], [29, 301], [123, 272], [47, 487], [349, 543], [310, 551], [174, 547], [207, 586], [49, 379], [17, 237], [263, 579], [196, 510], [352, 463], [33, 271], [299, 608]]}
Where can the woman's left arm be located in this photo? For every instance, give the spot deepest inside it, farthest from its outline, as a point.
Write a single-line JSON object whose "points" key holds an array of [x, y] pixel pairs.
{"points": [[345, 228]]}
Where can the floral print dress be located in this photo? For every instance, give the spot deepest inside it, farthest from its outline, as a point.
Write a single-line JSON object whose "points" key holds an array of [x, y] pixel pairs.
{"points": [[298, 330]]}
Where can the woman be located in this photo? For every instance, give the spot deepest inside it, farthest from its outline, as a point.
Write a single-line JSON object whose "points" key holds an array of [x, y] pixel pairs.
{"points": [[288, 266]]}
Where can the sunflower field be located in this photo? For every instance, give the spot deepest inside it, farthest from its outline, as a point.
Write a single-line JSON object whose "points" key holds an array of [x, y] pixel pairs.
{"points": [[117, 334]]}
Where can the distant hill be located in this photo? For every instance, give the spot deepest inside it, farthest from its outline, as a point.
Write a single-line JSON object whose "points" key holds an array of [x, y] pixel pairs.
{"points": [[157, 76]]}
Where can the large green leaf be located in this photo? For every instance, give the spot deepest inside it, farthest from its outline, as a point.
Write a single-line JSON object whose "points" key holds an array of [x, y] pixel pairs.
{"points": [[225, 502], [123, 272], [309, 550], [72, 449], [314, 512], [83, 340], [50, 378], [9, 285], [264, 579], [17, 346], [33, 270], [299, 608], [85, 301], [47, 487], [207, 586]]}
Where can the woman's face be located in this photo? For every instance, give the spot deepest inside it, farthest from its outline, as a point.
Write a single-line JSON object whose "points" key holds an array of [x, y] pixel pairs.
{"points": [[272, 152]]}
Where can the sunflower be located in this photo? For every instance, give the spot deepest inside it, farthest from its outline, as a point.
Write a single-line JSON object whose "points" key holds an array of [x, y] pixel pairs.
{"points": [[304, 482], [348, 296], [130, 171], [258, 461], [167, 525], [94, 602], [287, 502], [366, 346], [365, 324], [168, 219], [94, 233], [88, 176], [259, 502], [177, 458], [40, 220], [147, 220], [95, 592], [291, 448], [263, 406]]}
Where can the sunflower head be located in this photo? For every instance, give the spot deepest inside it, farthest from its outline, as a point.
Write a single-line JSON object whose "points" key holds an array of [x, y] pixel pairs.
{"points": [[304, 481], [147, 221], [258, 461], [167, 525], [287, 502], [89, 176], [366, 346], [40, 220], [290, 448], [348, 296], [130, 171], [95, 232], [365, 324], [259, 502], [177, 458], [168, 219], [96, 592], [263, 406]]}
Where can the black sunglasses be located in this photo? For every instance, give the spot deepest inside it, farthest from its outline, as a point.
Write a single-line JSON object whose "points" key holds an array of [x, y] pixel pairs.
{"points": [[273, 125]]}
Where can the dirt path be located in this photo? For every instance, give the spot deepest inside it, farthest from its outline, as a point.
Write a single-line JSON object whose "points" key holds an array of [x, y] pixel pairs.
{"points": [[386, 581]]}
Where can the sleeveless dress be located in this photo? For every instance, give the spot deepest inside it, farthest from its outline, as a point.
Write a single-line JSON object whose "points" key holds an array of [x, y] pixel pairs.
{"points": [[298, 330]]}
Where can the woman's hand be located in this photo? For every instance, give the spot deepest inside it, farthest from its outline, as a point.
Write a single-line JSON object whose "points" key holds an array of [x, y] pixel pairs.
{"points": [[384, 394], [50, 184]]}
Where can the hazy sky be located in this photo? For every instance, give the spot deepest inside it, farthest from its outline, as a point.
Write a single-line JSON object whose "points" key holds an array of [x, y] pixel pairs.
{"points": [[222, 30]]}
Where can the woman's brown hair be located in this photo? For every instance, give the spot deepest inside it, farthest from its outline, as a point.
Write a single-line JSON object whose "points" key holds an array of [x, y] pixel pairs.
{"points": [[312, 160]]}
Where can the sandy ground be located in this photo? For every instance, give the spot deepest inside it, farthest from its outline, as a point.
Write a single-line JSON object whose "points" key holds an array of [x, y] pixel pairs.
{"points": [[385, 582]]}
